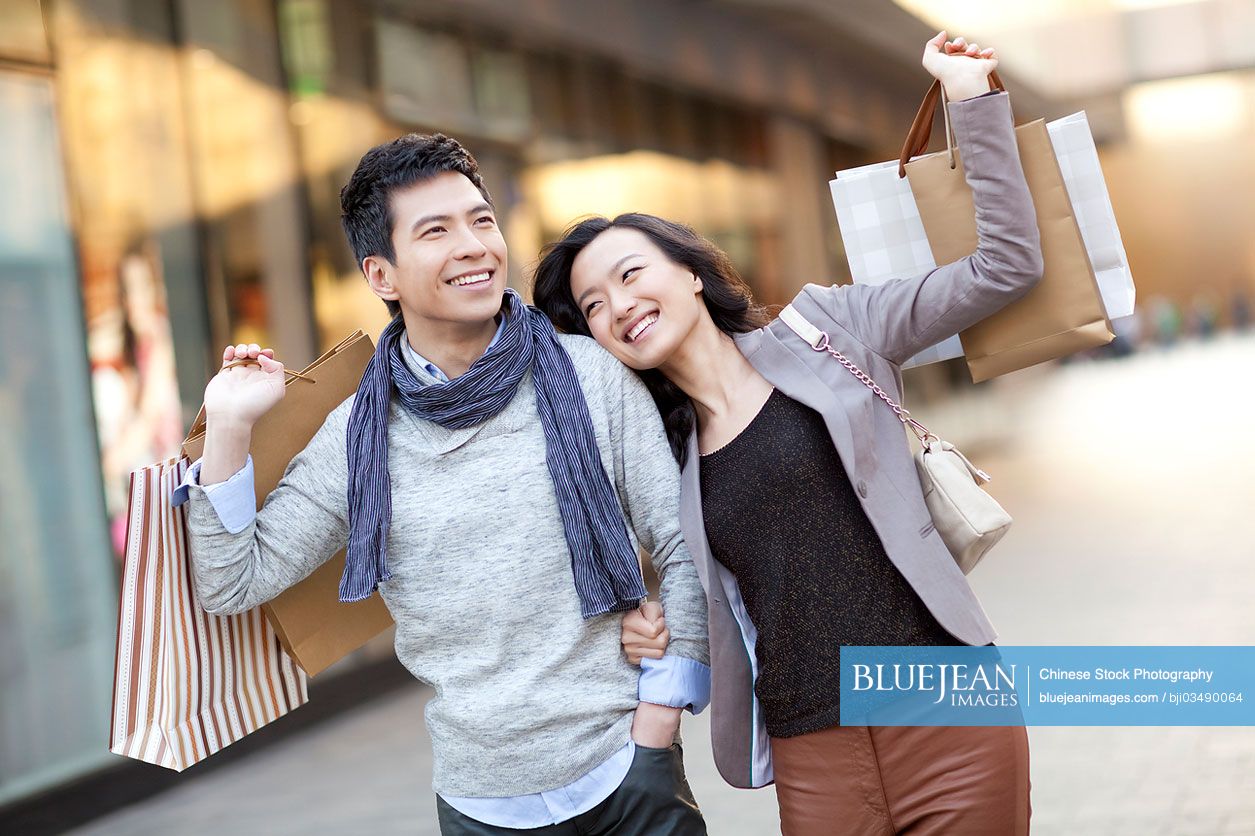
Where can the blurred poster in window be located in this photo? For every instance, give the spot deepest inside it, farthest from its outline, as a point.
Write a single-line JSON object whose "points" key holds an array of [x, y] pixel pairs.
{"points": [[138, 411]]}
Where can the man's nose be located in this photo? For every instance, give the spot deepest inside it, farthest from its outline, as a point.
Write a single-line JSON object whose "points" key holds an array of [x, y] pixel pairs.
{"points": [[468, 244]]}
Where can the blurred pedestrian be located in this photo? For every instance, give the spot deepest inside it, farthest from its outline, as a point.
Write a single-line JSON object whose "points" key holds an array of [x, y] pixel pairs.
{"points": [[1240, 310]]}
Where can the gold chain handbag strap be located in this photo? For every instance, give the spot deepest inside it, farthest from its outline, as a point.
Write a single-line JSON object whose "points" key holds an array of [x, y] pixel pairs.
{"points": [[818, 341]]}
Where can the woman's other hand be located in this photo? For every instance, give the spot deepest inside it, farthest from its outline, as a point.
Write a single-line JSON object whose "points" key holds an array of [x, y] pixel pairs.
{"points": [[644, 633], [962, 68]]}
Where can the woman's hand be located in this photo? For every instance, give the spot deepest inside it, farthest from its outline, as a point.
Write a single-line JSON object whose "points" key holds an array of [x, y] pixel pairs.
{"points": [[644, 633], [654, 725], [962, 68]]}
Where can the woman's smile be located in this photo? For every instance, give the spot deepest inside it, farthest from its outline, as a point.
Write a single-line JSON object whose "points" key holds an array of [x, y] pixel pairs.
{"points": [[641, 328]]}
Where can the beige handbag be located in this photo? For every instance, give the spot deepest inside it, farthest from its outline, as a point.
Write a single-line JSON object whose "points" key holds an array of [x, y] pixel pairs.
{"points": [[969, 520]]}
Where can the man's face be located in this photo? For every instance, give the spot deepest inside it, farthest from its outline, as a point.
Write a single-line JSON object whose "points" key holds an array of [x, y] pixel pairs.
{"points": [[450, 265]]}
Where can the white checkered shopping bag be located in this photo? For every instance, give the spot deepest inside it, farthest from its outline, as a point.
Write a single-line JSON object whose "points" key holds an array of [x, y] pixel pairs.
{"points": [[884, 237], [1091, 204]]}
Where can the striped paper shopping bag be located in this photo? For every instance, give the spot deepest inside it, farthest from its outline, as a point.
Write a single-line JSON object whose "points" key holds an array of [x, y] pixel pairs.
{"points": [[186, 683]]}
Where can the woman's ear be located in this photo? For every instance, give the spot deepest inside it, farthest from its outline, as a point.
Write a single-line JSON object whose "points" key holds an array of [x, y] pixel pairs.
{"points": [[697, 283]]}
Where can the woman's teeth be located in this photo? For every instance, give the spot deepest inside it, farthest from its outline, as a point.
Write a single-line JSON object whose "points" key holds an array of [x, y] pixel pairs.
{"points": [[639, 327], [477, 278]]}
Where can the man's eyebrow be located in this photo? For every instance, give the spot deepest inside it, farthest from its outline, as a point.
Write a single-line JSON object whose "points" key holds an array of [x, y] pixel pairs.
{"points": [[426, 219], [614, 268]]}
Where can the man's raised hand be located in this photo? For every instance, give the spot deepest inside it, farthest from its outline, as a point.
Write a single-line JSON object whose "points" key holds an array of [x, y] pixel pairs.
{"points": [[241, 393]]}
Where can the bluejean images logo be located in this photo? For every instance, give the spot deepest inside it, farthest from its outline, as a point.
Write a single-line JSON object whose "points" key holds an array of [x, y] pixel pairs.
{"points": [[1152, 685], [959, 685]]}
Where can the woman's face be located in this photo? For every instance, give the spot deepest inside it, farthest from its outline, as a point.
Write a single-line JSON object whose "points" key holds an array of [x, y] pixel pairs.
{"points": [[638, 303]]}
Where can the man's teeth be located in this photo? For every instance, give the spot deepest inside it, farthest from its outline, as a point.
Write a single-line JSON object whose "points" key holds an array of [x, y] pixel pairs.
{"points": [[641, 326], [475, 279]]}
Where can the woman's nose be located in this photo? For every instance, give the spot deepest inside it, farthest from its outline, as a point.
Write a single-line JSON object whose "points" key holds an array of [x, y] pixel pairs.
{"points": [[623, 307]]}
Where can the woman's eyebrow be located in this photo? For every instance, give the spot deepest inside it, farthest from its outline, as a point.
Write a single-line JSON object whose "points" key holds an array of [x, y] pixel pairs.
{"points": [[580, 301], [614, 268]]}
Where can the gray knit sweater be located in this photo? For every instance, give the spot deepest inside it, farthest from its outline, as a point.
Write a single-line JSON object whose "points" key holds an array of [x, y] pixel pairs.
{"points": [[528, 695]]}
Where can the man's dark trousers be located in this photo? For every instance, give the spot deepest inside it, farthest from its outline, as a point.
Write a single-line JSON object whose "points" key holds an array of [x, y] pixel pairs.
{"points": [[653, 800]]}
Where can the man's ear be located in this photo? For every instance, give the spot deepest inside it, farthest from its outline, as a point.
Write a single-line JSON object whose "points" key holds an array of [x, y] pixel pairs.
{"points": [[378, 274]]}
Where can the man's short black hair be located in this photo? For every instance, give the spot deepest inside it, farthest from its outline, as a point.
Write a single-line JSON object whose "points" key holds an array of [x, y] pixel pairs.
{"points": [[365, 202]]}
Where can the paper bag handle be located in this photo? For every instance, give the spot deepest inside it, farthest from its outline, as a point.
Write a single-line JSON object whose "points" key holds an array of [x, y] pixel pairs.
{"points": [[198, 425], [922, 127]]}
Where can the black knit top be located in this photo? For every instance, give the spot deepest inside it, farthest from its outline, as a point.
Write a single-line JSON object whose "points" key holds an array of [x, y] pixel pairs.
{"points": [[781, 515]]}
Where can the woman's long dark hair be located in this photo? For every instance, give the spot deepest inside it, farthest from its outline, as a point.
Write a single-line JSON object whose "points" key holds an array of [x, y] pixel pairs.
{"points": [[727, 298]]}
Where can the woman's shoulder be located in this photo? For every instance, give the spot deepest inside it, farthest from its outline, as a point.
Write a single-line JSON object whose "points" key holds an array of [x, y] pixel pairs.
{"points": [[822, 303]]}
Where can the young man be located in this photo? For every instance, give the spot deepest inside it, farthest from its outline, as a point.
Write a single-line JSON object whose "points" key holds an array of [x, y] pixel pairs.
{"points": [[493, 480]]}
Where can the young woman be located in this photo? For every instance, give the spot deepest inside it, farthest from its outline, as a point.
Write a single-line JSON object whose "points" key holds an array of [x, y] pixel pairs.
{"points": [[801, 505]]}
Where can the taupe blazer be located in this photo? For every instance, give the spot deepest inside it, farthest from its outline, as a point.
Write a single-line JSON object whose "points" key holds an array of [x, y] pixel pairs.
{"points": [[878, 328]]}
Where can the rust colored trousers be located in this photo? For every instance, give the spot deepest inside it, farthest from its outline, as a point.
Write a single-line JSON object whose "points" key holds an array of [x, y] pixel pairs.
{"points": [[967, 781]]}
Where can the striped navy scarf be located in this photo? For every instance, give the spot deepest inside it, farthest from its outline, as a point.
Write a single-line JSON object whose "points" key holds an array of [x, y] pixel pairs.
{"points": [[607, 573]]}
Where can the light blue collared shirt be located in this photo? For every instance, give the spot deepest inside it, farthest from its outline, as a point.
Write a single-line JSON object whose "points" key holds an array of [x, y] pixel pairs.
{"points": [[426, 365], [675, 681]]}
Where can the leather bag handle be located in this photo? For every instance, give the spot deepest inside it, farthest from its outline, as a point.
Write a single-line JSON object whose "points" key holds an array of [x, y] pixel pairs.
{"points": [[922, 127]]}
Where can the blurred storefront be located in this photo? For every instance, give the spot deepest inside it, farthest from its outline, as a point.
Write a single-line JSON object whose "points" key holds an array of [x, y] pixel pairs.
{"points": [[171, 175]]}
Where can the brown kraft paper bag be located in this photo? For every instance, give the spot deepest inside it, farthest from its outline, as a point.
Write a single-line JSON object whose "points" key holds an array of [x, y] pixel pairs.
{"points": [[1064, 313], [315, 628]]}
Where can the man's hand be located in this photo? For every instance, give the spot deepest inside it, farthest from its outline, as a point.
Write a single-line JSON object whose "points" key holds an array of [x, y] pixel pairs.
{"points": [[234, 400], [962, 68], [242, 394], [655, 725], [644, 633]]}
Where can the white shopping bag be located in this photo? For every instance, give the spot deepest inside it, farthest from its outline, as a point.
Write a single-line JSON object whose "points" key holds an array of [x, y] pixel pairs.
{"points": [[884, 237], [1091, 204]]}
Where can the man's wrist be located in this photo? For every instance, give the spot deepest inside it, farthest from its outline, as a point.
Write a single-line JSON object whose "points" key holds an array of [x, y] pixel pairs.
{"points": [[227, 440], [660, 716], [227, 423], [655, 725]]}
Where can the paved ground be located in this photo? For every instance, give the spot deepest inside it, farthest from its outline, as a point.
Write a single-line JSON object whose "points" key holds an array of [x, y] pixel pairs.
{"points": [[1131, 486]]}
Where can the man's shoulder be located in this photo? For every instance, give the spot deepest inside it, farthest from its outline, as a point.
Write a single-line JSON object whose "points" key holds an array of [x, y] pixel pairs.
{"points": [[339, 417], [331, 436], [592, 362]]}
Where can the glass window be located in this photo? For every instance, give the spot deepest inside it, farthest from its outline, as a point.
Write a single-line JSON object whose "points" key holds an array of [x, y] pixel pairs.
{"points": [[424, 76], [247, 178], [143, 292], [58, 590]]}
